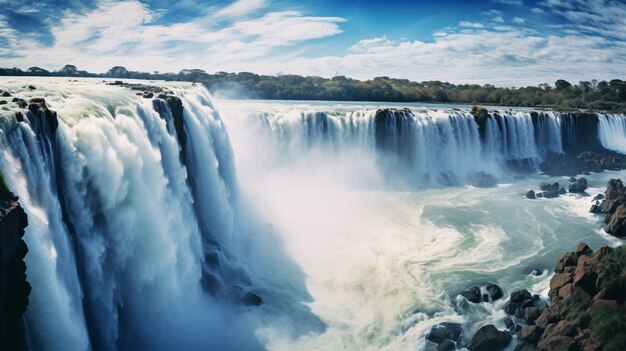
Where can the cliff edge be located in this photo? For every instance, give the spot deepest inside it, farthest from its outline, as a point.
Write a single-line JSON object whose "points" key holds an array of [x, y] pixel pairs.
{"points": [[14, 289]]}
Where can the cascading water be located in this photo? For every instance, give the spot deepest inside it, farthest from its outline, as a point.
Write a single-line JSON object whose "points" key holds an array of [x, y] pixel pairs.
{"points": [[141, 238], [134, 237], [384, 266], [611, 131]]}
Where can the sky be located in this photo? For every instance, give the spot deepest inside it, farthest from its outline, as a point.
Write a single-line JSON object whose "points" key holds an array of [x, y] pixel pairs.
{"points": [[501, 42]]}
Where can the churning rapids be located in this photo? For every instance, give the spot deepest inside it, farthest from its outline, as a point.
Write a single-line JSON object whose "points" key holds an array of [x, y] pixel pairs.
{"points": [[143, 238]]}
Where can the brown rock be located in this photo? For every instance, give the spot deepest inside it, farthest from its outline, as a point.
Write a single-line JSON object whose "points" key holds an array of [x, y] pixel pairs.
{"points": [[530, 334], [583, 249], [557, 343], [617, 222], [566, 290], [569, 259], [565, 328], [560, 280]]}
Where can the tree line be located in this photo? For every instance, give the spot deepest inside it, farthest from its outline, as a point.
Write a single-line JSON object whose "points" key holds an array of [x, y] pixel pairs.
{"points": [[597, 95]]}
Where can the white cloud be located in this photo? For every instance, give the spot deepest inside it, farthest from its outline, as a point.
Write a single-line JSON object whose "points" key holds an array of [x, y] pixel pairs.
{"points": [[240, 8], [519, 20], [468, 24], [509, 2]]}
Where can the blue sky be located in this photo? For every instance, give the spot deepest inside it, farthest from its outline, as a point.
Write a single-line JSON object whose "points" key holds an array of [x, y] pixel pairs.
{"points": [[504, 42]]}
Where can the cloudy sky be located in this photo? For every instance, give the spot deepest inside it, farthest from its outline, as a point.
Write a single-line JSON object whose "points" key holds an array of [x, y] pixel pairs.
{"points": [[504, 42]]}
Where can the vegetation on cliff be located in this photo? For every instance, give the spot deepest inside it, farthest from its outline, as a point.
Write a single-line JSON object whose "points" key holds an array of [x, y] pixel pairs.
{"points": [[599, 95]]}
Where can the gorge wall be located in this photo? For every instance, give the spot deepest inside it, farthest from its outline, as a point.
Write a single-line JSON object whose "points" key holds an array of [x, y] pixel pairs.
{"points": [[14, 289]]}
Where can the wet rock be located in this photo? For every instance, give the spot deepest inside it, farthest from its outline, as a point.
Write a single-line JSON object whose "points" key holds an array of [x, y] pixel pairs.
{"points": [[596, 209], [562, 191], [579, 187], [148, 95], [508, 322], [572, 179], [447, 345], [531, 314], [251, 299], [3, 102], [531, 334], [520, 296], [6, 94], [472, 295], [440, 332], [495, 292], [482, 180], [599, 197], [488, 338], [551, 194], [511, 307], [539, 194], [535, 272], [550, 186], [530, 194]]}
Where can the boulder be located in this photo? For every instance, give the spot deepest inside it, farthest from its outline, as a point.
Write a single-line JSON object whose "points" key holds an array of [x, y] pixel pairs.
{"points": [[550, 186], [445, 331], [251, 299], [530, 334], [560, 279], [596, 209], [482, 180], [520, 296], [531, 314], [557, 343], [472, 295], [617, 222], [562, 191], [583, 249], [488, 338], [567, 260], [447, 345], [579, 187], [598, 197], [530, 194], [550, 194], [494, 291], [511, 307]]}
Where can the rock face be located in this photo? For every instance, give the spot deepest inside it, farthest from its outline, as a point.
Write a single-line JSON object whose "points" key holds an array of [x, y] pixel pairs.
{"points": [[488, 338], [587, 294], [614, 205], [14, 289]]}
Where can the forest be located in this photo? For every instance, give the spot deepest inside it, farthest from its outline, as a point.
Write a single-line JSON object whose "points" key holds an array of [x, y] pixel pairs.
{"points": [[594, 94]]}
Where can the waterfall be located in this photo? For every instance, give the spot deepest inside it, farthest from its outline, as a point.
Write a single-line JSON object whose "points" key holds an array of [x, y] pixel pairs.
{"points": [[422, 147], [135, 240], [612, 132]]}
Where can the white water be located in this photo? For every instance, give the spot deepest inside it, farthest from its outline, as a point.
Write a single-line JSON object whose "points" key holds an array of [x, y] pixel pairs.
{"points": [[611, 131], [377, 267], [384, 266]]}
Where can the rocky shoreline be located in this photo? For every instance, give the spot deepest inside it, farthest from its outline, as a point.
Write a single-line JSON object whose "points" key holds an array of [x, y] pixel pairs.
{"points": [[586, 308]]}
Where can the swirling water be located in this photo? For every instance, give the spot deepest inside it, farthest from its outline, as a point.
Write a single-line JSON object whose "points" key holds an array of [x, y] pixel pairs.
{"points": [[380, 229]]}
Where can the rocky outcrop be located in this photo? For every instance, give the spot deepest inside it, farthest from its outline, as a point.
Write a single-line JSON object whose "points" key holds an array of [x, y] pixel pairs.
{"points": [[14, 289], [579, 186], [587, 304], [582, 162], [614, 207]]}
